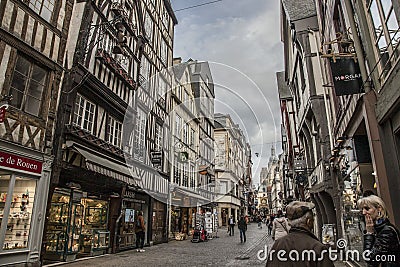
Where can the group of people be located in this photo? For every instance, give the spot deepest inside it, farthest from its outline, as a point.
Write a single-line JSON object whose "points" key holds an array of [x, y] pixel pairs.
{"points": [[295, 233], [242, 226]]}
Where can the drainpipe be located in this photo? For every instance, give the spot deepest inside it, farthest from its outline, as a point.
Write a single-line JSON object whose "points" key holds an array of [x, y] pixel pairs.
{"points": [[116, 230]]}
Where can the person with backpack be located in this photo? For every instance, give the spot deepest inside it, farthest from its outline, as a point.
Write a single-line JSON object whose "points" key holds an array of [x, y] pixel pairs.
{"points": [[140, 229], [280, 226]]}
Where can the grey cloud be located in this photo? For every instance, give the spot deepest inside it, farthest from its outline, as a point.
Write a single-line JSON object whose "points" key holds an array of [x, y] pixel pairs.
{"points": [[245, 36]]}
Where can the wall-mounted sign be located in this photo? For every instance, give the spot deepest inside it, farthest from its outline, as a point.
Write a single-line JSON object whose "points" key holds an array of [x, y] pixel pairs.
{"points": [[15, 162], [346, 76]]}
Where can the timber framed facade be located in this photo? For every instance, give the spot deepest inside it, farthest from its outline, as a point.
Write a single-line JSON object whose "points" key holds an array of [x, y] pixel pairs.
{"points": [[33, 36]]}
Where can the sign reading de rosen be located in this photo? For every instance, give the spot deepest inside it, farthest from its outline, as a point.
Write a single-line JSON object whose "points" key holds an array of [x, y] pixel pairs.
{"points": [[20, 163]]}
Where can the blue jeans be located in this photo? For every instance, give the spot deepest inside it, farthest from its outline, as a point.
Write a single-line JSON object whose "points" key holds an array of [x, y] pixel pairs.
{"points": [[242, 235]]}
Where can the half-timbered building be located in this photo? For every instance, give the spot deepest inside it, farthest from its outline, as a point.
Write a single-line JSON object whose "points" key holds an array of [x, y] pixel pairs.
{"points": [[94, 196], [33, 38], [185, 188]]}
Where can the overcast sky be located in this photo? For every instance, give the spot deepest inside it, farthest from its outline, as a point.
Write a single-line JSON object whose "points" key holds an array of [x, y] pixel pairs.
{"points": [[241, 41]]}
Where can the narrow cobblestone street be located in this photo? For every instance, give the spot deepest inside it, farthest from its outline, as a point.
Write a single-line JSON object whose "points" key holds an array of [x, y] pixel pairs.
{"points": [[223, 251]]}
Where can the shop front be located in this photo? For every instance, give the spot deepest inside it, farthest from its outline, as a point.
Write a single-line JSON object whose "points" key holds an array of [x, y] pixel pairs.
{"points": [[356, 176], [24, 184], [353, 220], [158, 222], [132, 203], [77, 225]]}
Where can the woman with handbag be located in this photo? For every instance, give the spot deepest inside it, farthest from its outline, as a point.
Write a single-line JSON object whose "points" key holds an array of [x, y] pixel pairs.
{"points": [[280, 226], [381, 238]]}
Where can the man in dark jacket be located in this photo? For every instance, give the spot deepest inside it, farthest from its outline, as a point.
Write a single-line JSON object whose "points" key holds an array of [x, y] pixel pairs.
{"points": [[242, 225], [231, 225], [300, 247]]}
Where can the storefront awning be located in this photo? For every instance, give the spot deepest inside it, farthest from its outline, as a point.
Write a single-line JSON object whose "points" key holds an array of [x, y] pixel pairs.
{"points": [[107, 167], [191, 194]]}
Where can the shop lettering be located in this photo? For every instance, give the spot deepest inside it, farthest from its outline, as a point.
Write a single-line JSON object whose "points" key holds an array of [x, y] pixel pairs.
{"points": [[20, 163], [129, 194], [26, 165], [348, 77]]}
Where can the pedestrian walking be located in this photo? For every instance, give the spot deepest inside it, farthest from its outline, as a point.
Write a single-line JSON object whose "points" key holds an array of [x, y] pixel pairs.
{"points": [[242, 225], [381, 238], [231, 226], [271, 219], [259, 221], [280, 226], [300, 240], [140, 229]]}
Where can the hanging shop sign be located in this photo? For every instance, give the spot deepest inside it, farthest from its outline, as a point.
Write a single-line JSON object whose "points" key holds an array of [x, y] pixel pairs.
{"points": [[156, 158], [15, 162], [346, 76], [299, 164]]}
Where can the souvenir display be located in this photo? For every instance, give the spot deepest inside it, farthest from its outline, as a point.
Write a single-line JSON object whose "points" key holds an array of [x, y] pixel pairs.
{"points": [[19, 215]]}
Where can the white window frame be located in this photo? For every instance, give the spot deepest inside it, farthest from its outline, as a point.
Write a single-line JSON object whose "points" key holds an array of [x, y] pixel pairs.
{"points": [[158, 137], [164, 52], [44, 8], [383, 17], [149, 26], [84, 113], [140, 131], [114, 132]]}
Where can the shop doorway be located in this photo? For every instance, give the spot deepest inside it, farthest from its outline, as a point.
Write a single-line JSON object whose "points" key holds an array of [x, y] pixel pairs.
{"points": [[224, 217]]}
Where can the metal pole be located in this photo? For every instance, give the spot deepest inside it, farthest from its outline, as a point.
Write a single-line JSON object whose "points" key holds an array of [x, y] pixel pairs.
{"points": [[357, 46], [171, 174]]}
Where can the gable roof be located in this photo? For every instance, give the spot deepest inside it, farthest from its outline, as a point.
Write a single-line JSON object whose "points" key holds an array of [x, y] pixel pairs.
{"points": [[297, 10]]}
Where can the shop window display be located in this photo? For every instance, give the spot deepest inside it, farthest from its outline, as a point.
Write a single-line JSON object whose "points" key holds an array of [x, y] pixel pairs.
{"points": [[56, 234], [76, 225], [18, 210], [127, 236], [352, 218], [94, 229]]}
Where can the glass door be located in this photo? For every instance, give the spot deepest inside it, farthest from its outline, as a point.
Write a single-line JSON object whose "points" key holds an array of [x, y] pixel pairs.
{"points": [[74, 234]]}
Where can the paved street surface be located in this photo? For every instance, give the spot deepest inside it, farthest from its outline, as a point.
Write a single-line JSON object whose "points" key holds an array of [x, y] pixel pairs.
{"points": [[223, 251]]}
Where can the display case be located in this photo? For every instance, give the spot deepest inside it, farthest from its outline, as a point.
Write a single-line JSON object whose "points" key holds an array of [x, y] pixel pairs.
{"points": [[56, 241], [20, 213], [94, 236], [75, 228], [56, 235], [96, 216], [328, 234], [101, 239]]}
